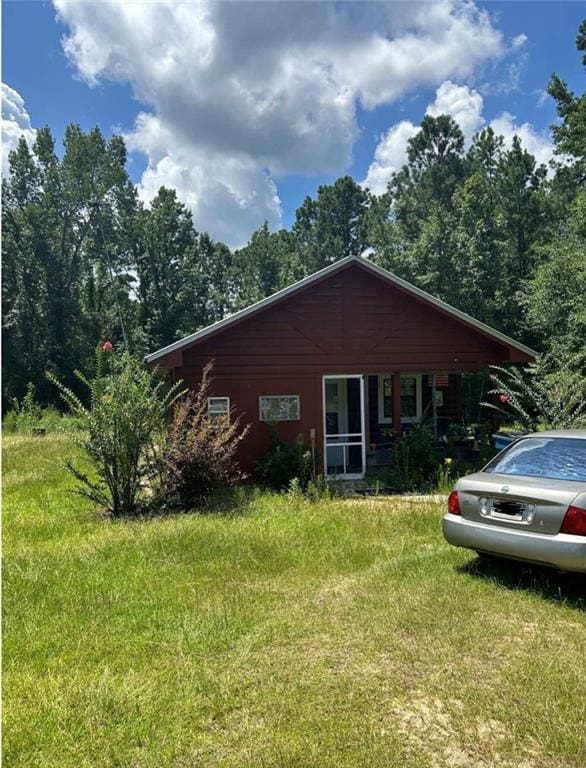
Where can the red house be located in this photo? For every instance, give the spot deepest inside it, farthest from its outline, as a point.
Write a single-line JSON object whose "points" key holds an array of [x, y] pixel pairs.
{"points": [[348, 358]]}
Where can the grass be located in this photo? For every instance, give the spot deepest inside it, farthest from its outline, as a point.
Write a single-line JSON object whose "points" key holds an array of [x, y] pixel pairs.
{"points": [[274, 633]]}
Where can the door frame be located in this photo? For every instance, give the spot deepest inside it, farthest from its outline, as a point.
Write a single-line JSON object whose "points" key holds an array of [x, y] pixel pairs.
{"points": [[362, 443]]}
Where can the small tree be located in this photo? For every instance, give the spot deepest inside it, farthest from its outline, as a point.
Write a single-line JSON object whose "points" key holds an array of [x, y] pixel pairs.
{"points": [[199, 453], [27, 413], [550, 393], [124, 423]]}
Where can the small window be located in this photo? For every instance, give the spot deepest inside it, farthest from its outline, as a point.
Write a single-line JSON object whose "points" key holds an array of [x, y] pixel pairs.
{"points": [[410, 399], [279, 408], [386, 400], [219, 407]]}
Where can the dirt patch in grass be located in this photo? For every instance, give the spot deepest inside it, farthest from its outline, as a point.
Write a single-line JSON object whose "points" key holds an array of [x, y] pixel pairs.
{"points": [[338, 591], [443, 733]]}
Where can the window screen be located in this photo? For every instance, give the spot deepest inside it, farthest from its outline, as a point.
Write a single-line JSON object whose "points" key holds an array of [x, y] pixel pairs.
{"points": [[409, 397], [279, 407], [218, 407]]}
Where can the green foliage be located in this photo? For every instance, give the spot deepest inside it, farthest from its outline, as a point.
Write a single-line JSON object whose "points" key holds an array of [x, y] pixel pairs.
{"points": [[285, 462], [57, 214], [198, 456], [554, 301], [123, 426], [28, 416], [25, 414], [415, 462], [315, 490], [464, 227], [481, 227], [166, 260], [550, 394], [570, 132], [332, 226], [267, 263], [445, 477]]}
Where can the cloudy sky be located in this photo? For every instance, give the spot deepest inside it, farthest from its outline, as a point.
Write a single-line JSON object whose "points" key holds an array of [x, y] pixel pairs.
{"points": [[245, 108]]}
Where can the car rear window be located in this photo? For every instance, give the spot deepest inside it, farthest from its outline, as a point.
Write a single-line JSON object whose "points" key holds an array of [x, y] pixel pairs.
{"points": [[558, 458]]}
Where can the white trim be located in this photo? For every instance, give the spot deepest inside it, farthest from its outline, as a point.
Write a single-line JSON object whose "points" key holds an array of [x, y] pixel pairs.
{"points": [[389, 276], [382, 419], [225, 412], [278, 397], [347, 435]]}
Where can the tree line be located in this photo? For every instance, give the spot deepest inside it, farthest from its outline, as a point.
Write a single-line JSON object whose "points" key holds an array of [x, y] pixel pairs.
{"points": [[483, 227]]}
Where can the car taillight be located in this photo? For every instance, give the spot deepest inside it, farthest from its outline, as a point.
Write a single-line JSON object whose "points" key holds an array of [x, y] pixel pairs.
{"points": [[574, 521], [454, 503]]}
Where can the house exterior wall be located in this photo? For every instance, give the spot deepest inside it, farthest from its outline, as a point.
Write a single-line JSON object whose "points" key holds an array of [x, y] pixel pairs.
{"points": [[351, 321]]}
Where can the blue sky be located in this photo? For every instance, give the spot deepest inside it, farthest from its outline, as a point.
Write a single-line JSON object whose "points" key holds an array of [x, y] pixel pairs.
{"points": [[230, 173]]}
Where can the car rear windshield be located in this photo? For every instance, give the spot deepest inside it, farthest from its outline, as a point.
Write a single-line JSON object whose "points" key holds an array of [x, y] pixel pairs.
{"points": [[558, 458]]}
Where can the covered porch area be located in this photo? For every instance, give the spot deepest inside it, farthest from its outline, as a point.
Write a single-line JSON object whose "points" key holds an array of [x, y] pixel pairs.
{"points": [[365, 414]]}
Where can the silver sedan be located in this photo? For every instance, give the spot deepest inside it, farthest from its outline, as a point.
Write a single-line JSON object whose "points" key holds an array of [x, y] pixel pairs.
{"points": [[528, 503]]}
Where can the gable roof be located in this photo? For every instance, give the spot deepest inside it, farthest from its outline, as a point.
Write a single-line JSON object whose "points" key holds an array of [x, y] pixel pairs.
{"points": [[329, 270]]}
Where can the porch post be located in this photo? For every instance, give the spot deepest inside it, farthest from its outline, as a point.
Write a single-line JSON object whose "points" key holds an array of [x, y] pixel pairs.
{"points": [[397, 404], [434, 406], [366, 414]]}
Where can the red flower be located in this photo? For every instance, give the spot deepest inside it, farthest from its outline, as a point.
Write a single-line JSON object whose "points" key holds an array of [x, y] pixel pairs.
{"points": [[504, 398], [107, 346]]}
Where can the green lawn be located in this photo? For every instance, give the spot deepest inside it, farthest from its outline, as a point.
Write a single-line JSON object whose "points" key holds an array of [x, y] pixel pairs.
{"points": [[279, 633]]}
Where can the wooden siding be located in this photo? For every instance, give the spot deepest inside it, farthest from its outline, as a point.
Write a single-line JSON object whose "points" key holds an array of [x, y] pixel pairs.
{"points": [[351, 321]]}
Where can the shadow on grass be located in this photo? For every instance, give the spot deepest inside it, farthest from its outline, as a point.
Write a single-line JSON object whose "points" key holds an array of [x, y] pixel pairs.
{"points": [[231, 501], [567, 588], [234, 501]]}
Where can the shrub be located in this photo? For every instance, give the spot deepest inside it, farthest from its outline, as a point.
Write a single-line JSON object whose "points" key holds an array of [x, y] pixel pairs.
{"points": [[415, 461], [284, 462], [124, 423], [316, 490], [25, 414], [198, 456], [551, 393]]}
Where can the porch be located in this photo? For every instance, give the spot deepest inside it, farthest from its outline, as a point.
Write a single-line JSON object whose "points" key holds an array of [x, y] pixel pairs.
{"points": [[364, 415]]}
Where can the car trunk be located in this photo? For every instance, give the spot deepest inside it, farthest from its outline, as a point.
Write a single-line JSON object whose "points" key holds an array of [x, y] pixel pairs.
{"points": [[529, 503]]}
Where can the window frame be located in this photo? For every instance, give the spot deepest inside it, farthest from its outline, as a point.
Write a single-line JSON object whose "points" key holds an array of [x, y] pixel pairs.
{"points": [[382, 419], [218, 414], [278, 397]]}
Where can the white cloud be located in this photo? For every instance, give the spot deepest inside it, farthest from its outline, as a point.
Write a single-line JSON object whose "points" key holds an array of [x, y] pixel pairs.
{"points": [[462, 103], [538, 143], [15, 123], [241, 93], [466, 106], [233, 194], [542, 97], [519, 41], [389, 156]]}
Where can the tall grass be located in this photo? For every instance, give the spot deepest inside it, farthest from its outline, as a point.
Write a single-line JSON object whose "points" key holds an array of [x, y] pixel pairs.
{"points": [[271, 631]]}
